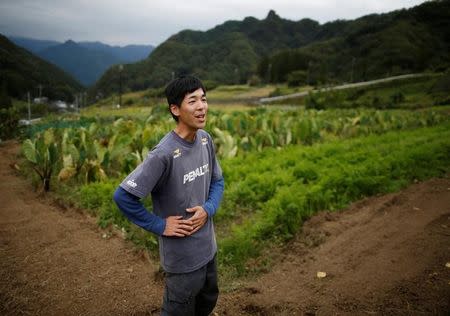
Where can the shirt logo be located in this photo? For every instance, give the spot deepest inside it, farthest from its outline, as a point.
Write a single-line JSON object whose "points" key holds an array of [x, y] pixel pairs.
{"points": [[204, 140], [131, 183], [191, 176], [176, 153]]}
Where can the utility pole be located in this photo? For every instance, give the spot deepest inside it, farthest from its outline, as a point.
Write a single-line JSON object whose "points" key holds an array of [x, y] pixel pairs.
{"points": [[120, 85], [29, 106]]}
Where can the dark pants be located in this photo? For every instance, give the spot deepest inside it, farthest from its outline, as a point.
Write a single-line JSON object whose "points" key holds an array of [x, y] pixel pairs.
{"points": [[191, 294]]}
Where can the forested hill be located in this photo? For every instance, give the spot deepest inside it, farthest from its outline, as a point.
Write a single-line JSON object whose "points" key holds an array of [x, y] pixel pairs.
{"points": [[371, 47], [21, 71], [376, 45]]}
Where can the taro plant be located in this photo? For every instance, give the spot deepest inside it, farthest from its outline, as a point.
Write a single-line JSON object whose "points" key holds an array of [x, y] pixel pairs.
{"points": [[83, 156], [43, 154], [226, 144]]}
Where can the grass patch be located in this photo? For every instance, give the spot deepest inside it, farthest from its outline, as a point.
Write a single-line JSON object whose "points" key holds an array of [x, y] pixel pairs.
{"points": [[287, 186]]}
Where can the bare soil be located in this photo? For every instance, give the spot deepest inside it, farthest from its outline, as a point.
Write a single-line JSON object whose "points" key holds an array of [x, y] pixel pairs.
{"points": [[382, 255]]}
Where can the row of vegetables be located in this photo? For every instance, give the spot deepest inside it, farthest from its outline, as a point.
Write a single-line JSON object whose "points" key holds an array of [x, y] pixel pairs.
{"points": [[111, 149]]}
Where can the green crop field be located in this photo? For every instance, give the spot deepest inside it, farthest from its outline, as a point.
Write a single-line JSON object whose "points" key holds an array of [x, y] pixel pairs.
{"points": [[281, 164]]}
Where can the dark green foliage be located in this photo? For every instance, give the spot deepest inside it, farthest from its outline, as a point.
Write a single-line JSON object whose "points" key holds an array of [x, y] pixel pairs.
{"points": [[370, 47], [441, 90], [155, 93], [9, 120], [5, 100], [9, 116], [23, 72], [283, 63], [210, 84], [397, 97], [254, 80], [442, 85], [297, 78], [325, 99]]}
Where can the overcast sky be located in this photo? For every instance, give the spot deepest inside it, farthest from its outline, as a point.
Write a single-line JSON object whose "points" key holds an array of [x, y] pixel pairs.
{"points": [[122, 22]]}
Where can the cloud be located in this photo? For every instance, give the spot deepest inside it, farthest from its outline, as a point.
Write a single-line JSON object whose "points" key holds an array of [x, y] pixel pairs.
{"points": [[153, 21]]}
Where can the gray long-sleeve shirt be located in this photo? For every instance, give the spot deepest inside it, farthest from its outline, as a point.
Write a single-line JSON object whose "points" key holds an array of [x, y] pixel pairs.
{"points": [[178, 175]]}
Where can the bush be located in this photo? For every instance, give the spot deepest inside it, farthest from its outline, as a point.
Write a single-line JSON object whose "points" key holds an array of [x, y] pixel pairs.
{"points": [[210, 84], [9, 122], [297, 78], [325, 99], [254, 81], [5, 100], [397, 98], [277, 92], [442, 85], [155, 93]]}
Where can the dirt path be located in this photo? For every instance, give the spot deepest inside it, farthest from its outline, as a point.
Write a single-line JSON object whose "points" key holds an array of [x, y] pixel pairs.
{"points": [[56, 262], [383, 255]]}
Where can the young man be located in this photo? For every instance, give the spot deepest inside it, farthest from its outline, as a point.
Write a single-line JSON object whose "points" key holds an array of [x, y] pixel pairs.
{"points": [[185, 181]]}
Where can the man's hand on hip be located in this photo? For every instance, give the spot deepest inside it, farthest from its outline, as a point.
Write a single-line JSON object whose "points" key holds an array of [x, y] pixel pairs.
{"points": [[177, 226], [198, 219]]}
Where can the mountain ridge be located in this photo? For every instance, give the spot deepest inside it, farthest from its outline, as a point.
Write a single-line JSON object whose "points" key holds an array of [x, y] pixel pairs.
{"points": [[338, 51], [91, 58]]}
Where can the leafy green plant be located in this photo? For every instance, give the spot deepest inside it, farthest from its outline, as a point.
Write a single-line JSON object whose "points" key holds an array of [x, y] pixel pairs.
{"points": [[83, 156], [227, 143], [43, 154]]}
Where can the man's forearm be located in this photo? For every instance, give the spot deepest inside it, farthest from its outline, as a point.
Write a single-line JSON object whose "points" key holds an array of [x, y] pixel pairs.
{"points": [[215, 196], [134, 210]]}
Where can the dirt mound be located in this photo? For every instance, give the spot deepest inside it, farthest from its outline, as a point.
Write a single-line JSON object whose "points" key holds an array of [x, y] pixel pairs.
{"points": [[383, 255]]}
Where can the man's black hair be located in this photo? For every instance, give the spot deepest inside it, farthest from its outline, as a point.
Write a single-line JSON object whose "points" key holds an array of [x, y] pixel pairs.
{"points": [[177, 89]]}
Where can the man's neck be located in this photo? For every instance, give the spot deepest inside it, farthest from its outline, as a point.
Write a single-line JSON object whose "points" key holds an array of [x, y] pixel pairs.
{"points": [[186, 134]]}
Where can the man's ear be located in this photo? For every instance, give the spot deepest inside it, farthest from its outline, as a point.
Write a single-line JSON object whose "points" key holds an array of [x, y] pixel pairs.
{"points": [[175, 109]]}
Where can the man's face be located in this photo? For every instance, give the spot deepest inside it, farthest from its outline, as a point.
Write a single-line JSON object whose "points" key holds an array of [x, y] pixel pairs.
{"points": [[192, 112]]}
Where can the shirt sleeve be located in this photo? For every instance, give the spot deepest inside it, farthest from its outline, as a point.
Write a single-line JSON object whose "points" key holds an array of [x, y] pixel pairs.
{"points": [[134, 210], [216, 187], [215, 196], [216, 169], [142, 180]]}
